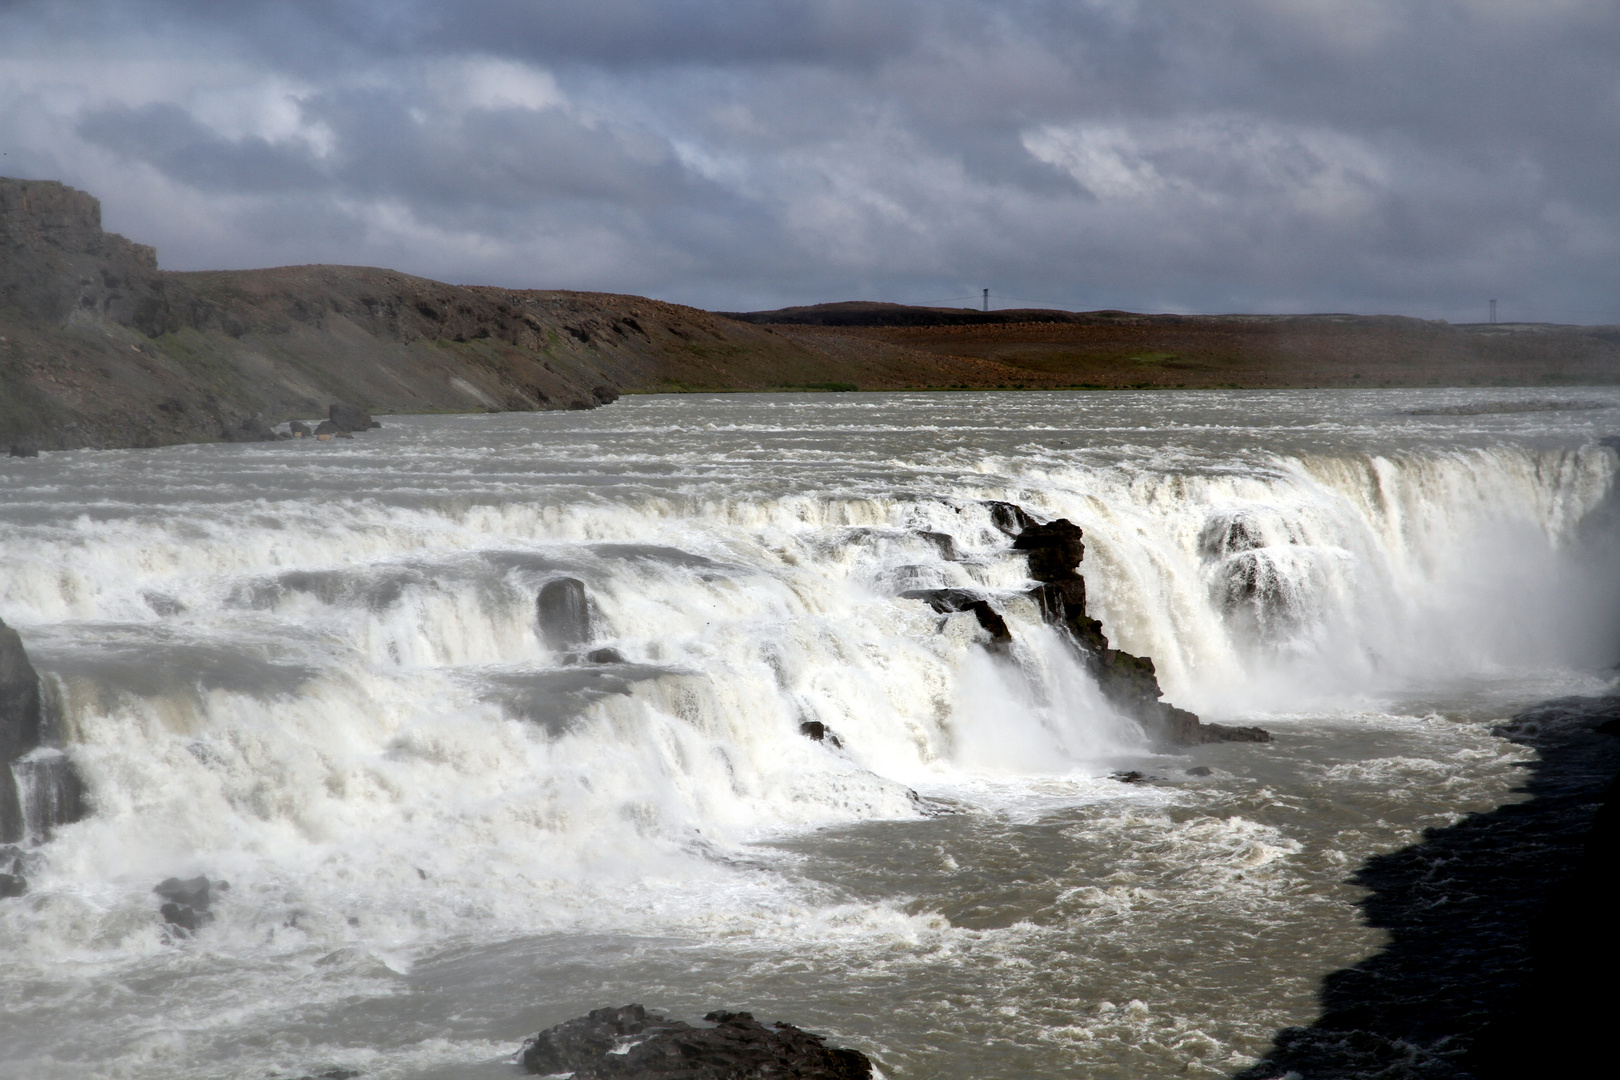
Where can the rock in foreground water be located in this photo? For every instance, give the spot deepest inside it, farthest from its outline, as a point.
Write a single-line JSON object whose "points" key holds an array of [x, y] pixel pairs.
{"points": [[630, 1043]]}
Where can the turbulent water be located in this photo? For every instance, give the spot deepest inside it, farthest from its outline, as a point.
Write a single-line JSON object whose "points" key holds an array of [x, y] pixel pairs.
{"points": [[316, 670]]}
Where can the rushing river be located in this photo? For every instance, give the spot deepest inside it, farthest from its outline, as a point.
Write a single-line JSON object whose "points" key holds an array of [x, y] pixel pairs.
{"points": [[316, 670]]}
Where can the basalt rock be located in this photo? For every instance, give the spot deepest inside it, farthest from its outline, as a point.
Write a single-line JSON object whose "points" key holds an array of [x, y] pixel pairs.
{"points": [[815, 729], [349, 417], [1010, 518], [944, 542], [565, 615], [630, 1043], [186, 903], [39, 789], [1055, 551], [950, 601]]}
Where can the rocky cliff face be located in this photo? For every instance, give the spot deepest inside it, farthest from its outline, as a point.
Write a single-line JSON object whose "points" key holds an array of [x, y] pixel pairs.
{"points": [[98, 347]]}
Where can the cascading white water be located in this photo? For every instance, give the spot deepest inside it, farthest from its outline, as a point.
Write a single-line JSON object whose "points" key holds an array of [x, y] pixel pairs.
{"points": [[319, 673]]}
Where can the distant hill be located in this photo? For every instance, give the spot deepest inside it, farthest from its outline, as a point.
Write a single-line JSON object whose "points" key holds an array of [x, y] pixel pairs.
{"points": [[1047, 349], [100, 348]]}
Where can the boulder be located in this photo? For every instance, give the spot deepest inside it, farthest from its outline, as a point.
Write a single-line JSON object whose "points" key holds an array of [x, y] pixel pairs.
{"points": [[12, 885], [604, 395], [605, 656], [327, 428], [348, 417], [24, 449], [297, 428], [252, 429], [186, 902], [630, 1043], [564, 613]]}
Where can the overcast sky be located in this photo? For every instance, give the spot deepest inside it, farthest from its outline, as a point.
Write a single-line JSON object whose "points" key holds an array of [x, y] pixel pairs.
{"points": [[1407, 156]]}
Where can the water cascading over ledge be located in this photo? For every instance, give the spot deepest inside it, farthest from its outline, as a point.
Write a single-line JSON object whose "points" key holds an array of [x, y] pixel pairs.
{"points": [[39, 789]]}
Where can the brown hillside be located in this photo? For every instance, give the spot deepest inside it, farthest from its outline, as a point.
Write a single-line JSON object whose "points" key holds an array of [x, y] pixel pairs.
{"points": [[1120, 349]]}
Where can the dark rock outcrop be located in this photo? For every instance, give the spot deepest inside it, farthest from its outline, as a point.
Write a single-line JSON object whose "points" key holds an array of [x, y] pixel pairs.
{"points": [[24, 449], [944, 543], [565, 614], [605, 656], [630, 1043], [950, 601], [327, 428], [815, 729], [349, 417], [298, 429], [1010, 518], [186, 903], [1055, 551], [39, 789]]}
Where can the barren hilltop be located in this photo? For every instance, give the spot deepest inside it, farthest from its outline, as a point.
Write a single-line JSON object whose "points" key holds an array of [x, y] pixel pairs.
{"points": [[100, 348]]}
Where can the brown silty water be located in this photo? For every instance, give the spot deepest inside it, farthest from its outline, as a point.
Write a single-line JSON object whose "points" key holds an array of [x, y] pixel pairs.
{"points": [[320, 673]]}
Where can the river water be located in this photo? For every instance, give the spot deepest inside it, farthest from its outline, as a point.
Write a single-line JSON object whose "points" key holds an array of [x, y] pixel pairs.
{"points": [[315, 670]]}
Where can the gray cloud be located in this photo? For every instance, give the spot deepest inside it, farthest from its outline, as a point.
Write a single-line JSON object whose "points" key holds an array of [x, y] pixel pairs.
{"points": [[1370, 155]]}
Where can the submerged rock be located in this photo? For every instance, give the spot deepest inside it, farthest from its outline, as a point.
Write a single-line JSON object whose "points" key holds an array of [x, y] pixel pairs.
{"points": [[630, 1043], [187, 902], [564, 614]]}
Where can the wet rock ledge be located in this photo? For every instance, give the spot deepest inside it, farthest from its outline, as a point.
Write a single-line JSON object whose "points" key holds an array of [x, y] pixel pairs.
{"points": [[39, 789], [629, 1043], [1055, 551]]}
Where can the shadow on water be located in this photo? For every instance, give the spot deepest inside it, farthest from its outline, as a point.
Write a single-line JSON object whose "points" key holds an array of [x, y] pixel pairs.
{"points": [[1503, 945]]}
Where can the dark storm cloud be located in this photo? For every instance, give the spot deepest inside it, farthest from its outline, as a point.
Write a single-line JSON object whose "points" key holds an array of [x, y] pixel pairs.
{"points": [[1245, 154]]}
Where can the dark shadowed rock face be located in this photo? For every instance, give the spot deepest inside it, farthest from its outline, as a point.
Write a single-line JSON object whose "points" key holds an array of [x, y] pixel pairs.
{"points": [[1054, 550], [630, 1043], [565, 616]]}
